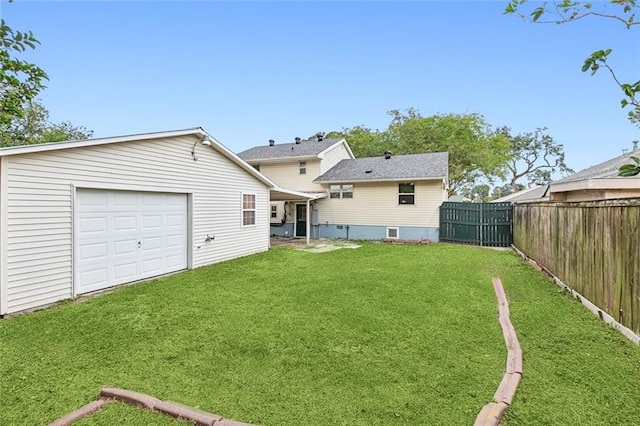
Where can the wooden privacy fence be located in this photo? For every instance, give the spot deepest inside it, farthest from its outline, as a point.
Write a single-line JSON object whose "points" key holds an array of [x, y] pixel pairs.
{"points": [[482, 224], [593, 247]]}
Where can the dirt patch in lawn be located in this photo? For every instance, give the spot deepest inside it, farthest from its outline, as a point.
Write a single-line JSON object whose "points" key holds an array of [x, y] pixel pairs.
{"points": [[321, 246], [316, 246]]}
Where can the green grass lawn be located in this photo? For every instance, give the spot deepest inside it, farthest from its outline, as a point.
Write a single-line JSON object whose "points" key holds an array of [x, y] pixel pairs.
{"points": [[377, 335]]}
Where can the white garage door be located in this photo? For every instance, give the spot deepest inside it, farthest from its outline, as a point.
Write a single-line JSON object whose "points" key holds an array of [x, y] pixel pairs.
{"points": [[125, 236]]}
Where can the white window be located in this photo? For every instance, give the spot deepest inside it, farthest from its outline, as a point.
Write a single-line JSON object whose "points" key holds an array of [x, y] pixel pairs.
{"points": [[341, 191], [274, 211], [248, 209], [347, 191], [334, 191], [303, 167], [393, 232], [406, 193]]}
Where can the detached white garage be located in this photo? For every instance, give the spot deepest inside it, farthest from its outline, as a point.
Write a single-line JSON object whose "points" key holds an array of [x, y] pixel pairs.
{"points": [[82, 216]]}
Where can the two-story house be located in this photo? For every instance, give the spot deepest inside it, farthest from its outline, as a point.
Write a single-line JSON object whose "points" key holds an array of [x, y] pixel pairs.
{"points": [[324, 191]]}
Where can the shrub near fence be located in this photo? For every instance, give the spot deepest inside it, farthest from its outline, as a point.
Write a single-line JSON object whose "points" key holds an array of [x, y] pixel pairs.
{"points": [[593, 247]]}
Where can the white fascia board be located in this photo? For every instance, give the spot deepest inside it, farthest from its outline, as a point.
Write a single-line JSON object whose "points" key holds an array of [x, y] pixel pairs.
{"points": [[197, 131], [304, 195], [282, 159], [404, 179], [586, 184], [341, 142], [52, 146], [240, 162]]}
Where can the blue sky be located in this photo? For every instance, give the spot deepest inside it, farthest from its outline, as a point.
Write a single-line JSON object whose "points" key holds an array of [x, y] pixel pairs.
{"points": [[248, 72]]}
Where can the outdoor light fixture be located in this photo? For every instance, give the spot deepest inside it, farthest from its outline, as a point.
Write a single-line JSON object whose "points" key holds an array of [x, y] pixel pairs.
{"points": [[204, 141]]}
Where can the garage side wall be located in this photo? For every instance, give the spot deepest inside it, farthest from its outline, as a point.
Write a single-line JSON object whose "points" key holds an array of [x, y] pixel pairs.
{"points": [[39, 208]]}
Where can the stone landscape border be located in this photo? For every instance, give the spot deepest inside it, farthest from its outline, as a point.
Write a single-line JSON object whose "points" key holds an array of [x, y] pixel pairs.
{"points": [[173, 409], [492, 413]]}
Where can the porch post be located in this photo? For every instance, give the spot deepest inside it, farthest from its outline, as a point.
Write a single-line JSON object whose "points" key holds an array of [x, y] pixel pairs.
{"points": [[308, 221]]}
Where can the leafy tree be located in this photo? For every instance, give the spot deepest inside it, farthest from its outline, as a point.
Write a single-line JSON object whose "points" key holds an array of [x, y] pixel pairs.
{"points": [[477, 193], [475, 149], [20, 81], [363, 141], [534, 156], [565, 11], [504, 190], [34, 127]]}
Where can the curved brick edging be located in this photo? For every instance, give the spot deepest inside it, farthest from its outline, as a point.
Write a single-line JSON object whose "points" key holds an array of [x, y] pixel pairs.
{"points": [[173, 409], [492, 413], [87, 410]]}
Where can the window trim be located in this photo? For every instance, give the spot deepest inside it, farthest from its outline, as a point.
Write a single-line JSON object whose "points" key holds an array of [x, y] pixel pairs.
{"points": [[274, 211], [412, 194], [243, 209], [347, 192], [303, 167], [337, 191]]}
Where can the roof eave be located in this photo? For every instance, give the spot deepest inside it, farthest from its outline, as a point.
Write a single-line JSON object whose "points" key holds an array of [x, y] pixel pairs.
{"points": [[53, 146], [196, 131], [399, 179], [595, 184], [281, 159], [340, 142]]}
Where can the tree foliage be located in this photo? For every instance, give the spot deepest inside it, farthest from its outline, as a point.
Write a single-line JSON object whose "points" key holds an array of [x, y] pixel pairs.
{"points": [[34, 127], [475, 149], [477, 193], [20, 81], [632, 169], [562, 12], [504, 190], [534, 156], [565, 11], [363, 141]]}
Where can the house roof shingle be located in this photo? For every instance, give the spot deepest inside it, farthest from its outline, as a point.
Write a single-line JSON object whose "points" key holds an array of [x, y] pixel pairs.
{"points": [[306, 148], [416, 166], [606, 170]]}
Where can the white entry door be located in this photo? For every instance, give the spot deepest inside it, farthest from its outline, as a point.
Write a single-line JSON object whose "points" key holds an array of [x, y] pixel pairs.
{"points": [[125, 236]]}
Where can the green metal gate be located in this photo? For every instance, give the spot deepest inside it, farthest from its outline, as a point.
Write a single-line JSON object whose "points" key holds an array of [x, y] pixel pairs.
{"points": [[482, 224]]}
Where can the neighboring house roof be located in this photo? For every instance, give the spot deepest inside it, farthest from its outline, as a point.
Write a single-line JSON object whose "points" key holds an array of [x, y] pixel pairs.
{"points": [[196, 131], [608, 169], [600, 176], [458, 199], [417, 167], [305, 149], [537, 193]]}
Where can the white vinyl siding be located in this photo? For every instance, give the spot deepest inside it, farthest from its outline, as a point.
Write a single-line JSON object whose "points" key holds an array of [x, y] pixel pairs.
{"points": [[333, 157], [287, 175], [39, 188], [376, 203]]}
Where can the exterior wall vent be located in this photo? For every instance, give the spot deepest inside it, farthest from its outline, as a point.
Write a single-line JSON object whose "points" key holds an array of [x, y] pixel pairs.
{"points": [[393, 232]]}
